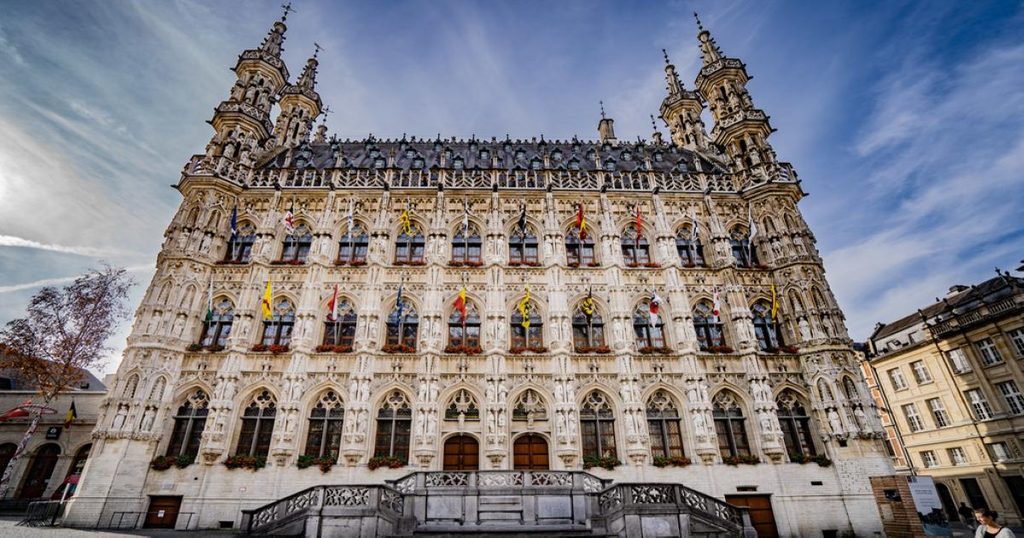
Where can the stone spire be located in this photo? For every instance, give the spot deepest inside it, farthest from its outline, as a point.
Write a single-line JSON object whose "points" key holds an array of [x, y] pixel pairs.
{"points": [[674, 85], [606, 127], [300, 106], [681, 109], [709, 50]]}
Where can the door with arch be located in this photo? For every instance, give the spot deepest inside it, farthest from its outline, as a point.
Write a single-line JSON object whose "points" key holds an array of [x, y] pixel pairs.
{"points": [[39, 471], [530, 453], [461, 453]]}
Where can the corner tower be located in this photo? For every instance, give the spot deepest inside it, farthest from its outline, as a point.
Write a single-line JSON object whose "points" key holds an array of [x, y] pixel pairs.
{"points": [[681, 110], [300, 106]]}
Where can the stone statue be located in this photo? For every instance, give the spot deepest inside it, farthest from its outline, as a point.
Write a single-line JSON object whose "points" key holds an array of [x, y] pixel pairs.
{"points": [[502, 392], [835, 422], [861, 418], [120, 417], [760, 391], [805, 329], [148, 416]]}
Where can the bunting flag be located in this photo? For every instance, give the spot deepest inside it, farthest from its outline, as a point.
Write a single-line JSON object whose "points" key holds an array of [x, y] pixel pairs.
{"points": [[333, 305], [587, 305], [655, 307], [406, 223], [234, 222], [639, 223], [581, 223], [465, 219], [268, 296], [70, 416], [522, 219], [209, 302], [460, 303], [775, 303], [351, 217], [399, 305], [750, 237], [693, 239], [716, 309], [524, 309], [289, 218]]}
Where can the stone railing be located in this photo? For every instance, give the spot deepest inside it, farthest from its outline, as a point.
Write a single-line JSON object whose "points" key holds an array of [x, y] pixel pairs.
{"points": [[710, 514], [307, 509]]}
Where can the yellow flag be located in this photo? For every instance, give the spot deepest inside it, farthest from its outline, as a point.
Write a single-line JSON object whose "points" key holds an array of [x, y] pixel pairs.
{"points": [[406, 223], [524, 309], [268, 295], [775, 303]]}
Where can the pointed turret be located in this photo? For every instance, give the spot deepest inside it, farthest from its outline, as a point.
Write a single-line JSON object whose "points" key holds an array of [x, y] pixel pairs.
{"points": [[681, 110], [740, 129], [606, 127], [300, 106]]}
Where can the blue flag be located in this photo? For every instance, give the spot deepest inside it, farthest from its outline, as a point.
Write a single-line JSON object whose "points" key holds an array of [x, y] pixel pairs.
{"points": [[399, 305], [234, 222]]}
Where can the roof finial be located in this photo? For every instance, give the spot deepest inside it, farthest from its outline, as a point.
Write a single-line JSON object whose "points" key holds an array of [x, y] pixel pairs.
{"points": [[700, 27], [316, 49], [665, 52], [602, 109], [287, 9], [326, 111], [653, 124]]}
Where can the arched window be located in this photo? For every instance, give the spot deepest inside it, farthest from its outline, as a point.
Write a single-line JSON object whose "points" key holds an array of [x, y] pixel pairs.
{"points": [[708, 327], [529, 406], [403, 327], [130, 386], [394, 427], [217, 325], [579, 253], [850, 389], [530, 336], [296, 245], [729, 425], [587, 329], [648, 335], [277, 331], [597, 423], [409, 247], [37, 477], [240, 244], [353, 246], [522, 247], [466, 247], [189, 423], [464, 332], [325, 422], [796, 425], [75, 469], [635, 250], [462, 406], [257, 426], [664, 426], [688, 245], [742, 249], [825, 392], [340, 331], [765, 328]]}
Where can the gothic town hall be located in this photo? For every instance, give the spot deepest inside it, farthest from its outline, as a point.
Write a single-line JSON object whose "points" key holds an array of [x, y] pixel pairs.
{"points": [[378, 337]]}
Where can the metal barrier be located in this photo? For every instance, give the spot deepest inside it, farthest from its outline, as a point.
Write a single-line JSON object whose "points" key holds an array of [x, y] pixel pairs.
{"points": [[130, 520]]}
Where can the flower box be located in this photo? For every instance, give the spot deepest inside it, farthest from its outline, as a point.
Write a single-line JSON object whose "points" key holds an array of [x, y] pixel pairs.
{"points": [[605, 462], [719, 349], [288, 262], [788, 349], [822, 460], [398, 348], [594, 264], [737, 460], [194, 347], [277, 349], [413, 263], [325, 348], [600, 350], [391, 462], [162, 463], [467, 350], [354, 263], [649, 350], [573, 264], [524, 264], [652, 265], [675, 461], [259, 347], [325, 463], [242, 461], [232, 262], [215, 348]]}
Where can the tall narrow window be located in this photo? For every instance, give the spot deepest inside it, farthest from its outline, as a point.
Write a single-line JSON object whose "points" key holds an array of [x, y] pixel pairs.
{"points": [[189, 423], [277, 331], [403, 327], [939, 413], [730, 426], [989, 352], [921, 373], [897, 379], [464, 332], [579, 253], [708, 327], [664, 426], [340, 331], [597, 423], [217, 325], [257, 426], [914, 421], [587, 329], [409, 247], [1017, 337], [796, 425], [689, 248], [765, 329], [297, 244], [635, 250], [522, 247], [742, 249], [240, 244], [353, 246], [466, 246], [394, 427], [649, 332], [529, 334], [1014, 399], [325, 425], [979, 404], [958, 361]]}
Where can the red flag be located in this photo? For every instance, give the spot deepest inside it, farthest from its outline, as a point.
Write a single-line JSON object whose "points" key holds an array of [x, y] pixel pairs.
{"points": [[17, 412], [333, 305], [639, 222], [655, 306]]}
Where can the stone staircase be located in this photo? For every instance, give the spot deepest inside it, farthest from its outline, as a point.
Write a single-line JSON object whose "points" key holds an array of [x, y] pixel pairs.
{"points": [[500, 503]]}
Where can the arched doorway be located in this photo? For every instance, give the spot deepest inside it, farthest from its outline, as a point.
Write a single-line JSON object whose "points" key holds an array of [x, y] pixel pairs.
{"points": [[461, 453], [74, 473], [7, 451], [947, 502], [39, 471], [530, 453]]}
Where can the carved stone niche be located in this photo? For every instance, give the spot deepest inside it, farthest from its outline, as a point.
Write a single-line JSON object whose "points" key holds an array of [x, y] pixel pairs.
{"points": [[568, 458], [351, 456], [707, 455], [497, 458], [210, 454], [424, 456], [637, 455], [280, 456]]}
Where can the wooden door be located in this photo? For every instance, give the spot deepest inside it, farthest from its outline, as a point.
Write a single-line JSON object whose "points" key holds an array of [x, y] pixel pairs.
{"points": [[39, 471], [162, 513], [761, 514], [530, 453], [461, 453]]}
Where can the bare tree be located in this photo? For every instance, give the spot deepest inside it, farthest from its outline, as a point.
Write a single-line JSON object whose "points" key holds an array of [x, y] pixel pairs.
{"points": [[65, 332]]}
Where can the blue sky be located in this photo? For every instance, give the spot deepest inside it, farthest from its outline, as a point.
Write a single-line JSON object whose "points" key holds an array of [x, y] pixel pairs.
{"points": [[905, 120]]}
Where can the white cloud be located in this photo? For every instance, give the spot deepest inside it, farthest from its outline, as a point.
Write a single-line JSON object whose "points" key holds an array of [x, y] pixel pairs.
{"points": [[11, 241]]}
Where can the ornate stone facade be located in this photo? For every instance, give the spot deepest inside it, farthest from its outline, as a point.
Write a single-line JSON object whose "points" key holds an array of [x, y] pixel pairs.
{"points": [[425, 219]]}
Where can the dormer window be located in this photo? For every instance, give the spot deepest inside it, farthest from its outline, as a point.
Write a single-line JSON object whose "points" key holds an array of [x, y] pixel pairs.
{"points": [[458, 163], [590, 155], [447, 154], [473, 147], [410, 153], [574, 164], [507, 147], [485, 155], [658, 156], [417, 162], [374, 153], [627, 156], [520, 154], [556, 155], [378, 163], [609, 165], [536, 164]]}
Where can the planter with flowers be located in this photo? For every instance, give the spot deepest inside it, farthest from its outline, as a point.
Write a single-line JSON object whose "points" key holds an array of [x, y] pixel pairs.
{"points": [[650, 350], [243, 461], [719, 349], [789, 349], [391, 462], [288, 262], [674, 461], [398, 348], [822, 460], [745, 460], [600, 350], [327, 348], [324, 463], [604, 462], [353, 263], [466, 350], [162, 463]]}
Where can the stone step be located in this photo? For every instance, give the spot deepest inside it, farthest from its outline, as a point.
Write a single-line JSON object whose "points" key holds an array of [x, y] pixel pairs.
{"points": [[500, 499], [494, 516], [508, 507]]}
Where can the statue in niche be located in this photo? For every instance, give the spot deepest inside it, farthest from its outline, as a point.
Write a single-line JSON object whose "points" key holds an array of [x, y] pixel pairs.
{"points": [[834, 422], [805, 330], [148, 416], [861, 418], [120, 417]]}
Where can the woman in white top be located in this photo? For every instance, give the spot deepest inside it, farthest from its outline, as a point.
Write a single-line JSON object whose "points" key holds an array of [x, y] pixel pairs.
{"points": [[987, 525]]}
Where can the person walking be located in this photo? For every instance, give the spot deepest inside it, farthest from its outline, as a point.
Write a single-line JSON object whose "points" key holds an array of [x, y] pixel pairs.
{"points": [[967, 515], [988, 527]]}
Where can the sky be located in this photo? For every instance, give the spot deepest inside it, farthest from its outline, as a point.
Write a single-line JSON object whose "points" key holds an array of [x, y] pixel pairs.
{"points": [[905, 120]]}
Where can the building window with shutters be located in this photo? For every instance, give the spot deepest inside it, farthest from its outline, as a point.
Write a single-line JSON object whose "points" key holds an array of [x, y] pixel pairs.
{"points": [[914, 421], [938, 413], [989, 352], [1014, 399], [921, 373], [958, 361], [979, 405], [897, 379], [957, 456], [929, 458], [1017, 337]]}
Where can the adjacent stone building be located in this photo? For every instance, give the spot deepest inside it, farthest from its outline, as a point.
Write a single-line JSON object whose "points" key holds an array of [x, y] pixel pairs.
{"points": [[950, 376], [656, 307]]}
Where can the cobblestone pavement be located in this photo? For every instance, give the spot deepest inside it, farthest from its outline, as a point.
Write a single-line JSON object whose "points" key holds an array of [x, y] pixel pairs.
{"points": [[9, 529]]}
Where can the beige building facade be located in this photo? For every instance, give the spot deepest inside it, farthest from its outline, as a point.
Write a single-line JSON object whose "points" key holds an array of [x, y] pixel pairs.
{"points": [[373, 307], [951, 378]]}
